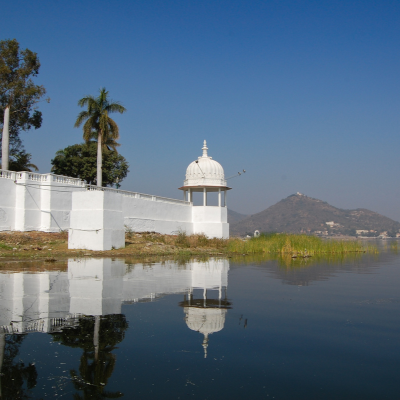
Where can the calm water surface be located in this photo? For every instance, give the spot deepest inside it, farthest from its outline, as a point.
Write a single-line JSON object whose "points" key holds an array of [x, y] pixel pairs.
{"points": [[221, 329]]}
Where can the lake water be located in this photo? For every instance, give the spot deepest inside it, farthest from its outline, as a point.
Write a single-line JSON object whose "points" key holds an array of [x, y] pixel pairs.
{"points": [[216, 329]]}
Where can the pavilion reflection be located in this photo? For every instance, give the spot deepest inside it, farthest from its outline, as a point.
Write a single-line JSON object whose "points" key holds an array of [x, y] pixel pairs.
{"points": [[204, 314]]}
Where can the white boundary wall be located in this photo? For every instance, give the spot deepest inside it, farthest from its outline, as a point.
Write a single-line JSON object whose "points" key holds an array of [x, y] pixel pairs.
{"points": [[43, 202], [96, 222], [30, 201]]}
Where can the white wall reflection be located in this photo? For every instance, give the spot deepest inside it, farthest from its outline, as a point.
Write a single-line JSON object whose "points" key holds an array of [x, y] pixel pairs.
{"points": [[47, 301]]}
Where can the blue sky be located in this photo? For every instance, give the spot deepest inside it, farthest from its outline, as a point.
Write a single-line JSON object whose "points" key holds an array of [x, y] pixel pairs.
{"points": [[304, 95]]}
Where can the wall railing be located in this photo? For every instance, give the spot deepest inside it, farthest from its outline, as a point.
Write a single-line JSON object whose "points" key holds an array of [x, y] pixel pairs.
{"points": [[66, 180], [8, 174], [36, 177], [138, 195]]}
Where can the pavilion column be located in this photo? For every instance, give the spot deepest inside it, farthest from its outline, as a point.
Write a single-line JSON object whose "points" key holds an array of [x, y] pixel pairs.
{"points": [[184, 195], [226, 203], [190, 195], [204, 196], [219, 197]]}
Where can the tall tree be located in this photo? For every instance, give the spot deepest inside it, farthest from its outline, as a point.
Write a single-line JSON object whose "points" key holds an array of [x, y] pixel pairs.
{"points": [[98, 123], [18, 93]]}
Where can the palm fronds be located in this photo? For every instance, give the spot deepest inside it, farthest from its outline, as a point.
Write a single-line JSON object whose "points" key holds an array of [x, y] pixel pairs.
{"points": [[97, 125]]}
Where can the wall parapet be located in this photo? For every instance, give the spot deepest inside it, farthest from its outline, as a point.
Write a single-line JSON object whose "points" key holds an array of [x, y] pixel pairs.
{"points": [[9, 174], [12, 175], [68, 180], [33, 176], [138, 195]]}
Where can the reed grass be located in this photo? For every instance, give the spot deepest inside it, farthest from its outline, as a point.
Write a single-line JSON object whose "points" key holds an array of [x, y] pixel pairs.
{"points": [[296, 245], [182, 239]]}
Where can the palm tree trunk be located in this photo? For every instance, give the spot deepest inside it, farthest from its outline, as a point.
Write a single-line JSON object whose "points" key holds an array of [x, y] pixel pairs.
{"points": [[5, 139], [99, 159]]}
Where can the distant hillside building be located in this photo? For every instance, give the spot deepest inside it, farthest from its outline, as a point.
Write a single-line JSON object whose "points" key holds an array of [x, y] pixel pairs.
{"points": [[332, 224]]}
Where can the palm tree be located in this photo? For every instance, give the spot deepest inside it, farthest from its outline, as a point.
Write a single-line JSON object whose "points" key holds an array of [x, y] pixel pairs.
{"points": [[108, 144], [21, 161], [98, 123]]}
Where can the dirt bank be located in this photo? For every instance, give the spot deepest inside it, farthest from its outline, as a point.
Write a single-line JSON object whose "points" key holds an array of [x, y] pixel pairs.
{"points": [[54, 246]]}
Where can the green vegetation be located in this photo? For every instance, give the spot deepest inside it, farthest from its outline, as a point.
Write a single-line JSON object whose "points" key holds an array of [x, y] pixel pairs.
{"points": [[21, 161], [79, 161], [198, 240], [4, 246], [295, 245], [288, 249], [98, 125], [18, 98]]}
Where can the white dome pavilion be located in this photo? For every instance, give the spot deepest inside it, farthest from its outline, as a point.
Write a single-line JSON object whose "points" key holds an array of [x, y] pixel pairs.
{"points": [[205, 171], [205, 175]]}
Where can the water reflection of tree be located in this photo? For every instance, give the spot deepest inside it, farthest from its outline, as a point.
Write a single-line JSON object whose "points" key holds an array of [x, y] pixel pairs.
{"points": [[16, 378], [97, 336]]}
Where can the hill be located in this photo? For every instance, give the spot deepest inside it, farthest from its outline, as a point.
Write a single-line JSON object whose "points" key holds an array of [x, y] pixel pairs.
{"points": [[234, 216], [299, 213]]}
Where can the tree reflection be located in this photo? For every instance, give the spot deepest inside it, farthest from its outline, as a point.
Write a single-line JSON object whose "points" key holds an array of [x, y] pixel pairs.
{"points": [[16, 378], [97, 336]]}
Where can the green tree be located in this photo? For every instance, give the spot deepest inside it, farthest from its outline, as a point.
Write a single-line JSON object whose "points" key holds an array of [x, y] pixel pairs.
{"points": [[98, 125], [18, 94], [79, 161], [21, 161]]}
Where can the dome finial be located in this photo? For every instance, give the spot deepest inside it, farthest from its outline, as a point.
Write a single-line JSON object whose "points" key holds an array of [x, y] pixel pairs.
{"points": [[205, 148]]}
